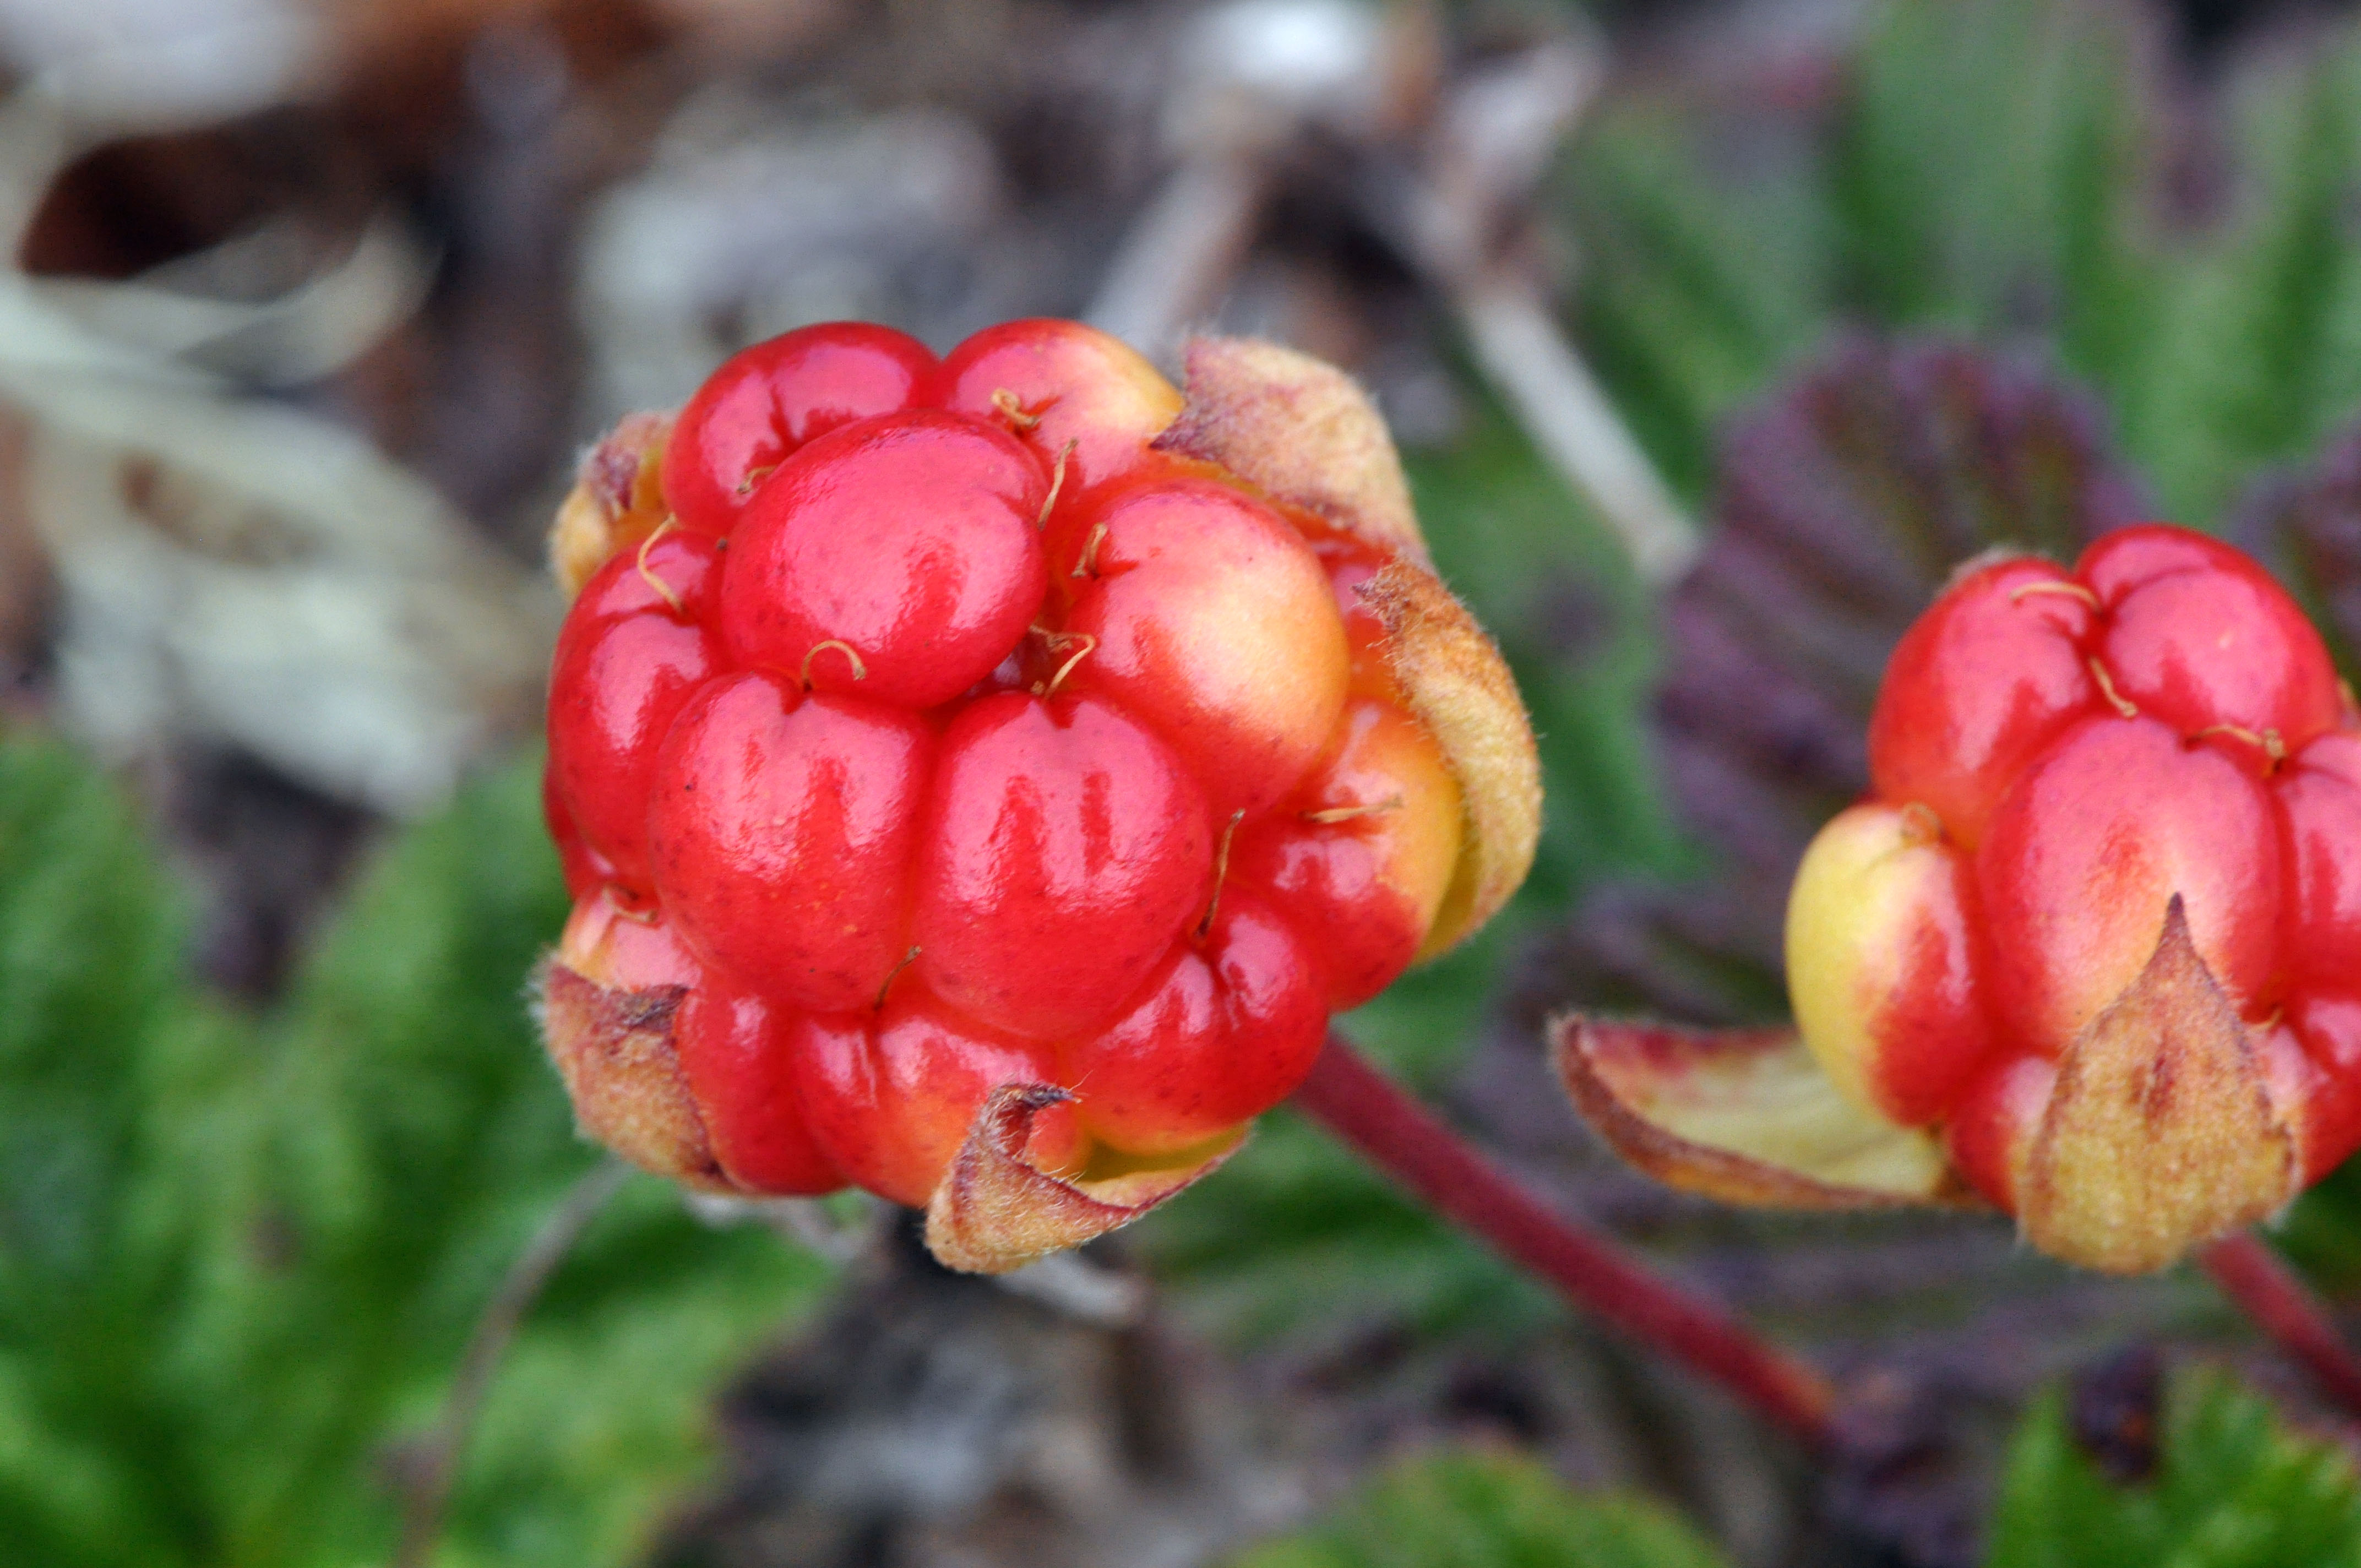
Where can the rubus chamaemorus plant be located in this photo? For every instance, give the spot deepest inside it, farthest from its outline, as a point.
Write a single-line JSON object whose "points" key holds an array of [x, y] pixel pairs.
{"points": [[980, 779], [2090, 948]]}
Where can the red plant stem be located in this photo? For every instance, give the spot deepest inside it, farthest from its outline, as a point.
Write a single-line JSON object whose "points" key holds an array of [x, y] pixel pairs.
{"points": [[2286, 1309], [1353, 1100]]}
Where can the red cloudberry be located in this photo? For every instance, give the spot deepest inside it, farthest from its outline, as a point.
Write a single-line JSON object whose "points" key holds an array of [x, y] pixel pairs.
{"points": [[981, 779], [2079, 779], [2093, 942]]}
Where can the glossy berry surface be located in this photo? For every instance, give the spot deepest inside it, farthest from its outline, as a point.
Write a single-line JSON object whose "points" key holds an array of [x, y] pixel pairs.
{"points": [[950, 734], [2057, 756]]}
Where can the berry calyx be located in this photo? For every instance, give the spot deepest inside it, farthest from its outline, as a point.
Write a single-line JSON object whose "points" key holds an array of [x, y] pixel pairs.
{"points": [[980, 780]]}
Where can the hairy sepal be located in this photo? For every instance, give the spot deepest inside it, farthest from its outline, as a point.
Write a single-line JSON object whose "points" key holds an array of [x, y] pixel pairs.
{"points": [[994, 1210], [1744, 1116], [2160, 1134], [616, 500], [1454, 681], [614, 1049], [1302, 431]]}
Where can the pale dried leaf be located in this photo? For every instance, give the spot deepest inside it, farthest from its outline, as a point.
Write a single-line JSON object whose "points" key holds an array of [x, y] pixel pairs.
{"points": [[234, 571], [1743, 1116], [310, 331]]}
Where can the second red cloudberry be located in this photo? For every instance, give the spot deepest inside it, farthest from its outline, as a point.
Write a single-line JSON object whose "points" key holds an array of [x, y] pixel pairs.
{"points": [[2091, 947]]}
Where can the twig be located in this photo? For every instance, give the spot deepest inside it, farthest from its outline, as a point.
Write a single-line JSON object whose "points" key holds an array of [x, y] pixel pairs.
{"points": [[2287, 1310], [1353, 1100], [1073, 1286], [1248, 85], [430, 1493], [1519, 347], [1457, 222], [1181, 252], [805, 1221]]}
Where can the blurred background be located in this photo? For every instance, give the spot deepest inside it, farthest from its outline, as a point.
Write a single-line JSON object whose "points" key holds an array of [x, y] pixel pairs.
{"points": [[1715, 331]]}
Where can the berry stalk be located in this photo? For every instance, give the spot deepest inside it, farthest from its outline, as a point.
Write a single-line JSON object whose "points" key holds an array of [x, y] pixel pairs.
{"points": [[1350, 1097], [2287, 1310]]}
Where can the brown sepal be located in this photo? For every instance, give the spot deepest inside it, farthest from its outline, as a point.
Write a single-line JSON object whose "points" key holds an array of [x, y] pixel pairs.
{"points": [[994, 1210], [1743, 1116], [1301, 430], [614, 1050], [2160, 1133], [616, 500], [1453, 679]]}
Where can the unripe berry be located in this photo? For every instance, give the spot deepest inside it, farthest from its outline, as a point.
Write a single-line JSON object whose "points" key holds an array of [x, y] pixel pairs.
{"points": [[1370, 848], [980, 780], [740, 1070], [1979, 682], [627, 662], [2095, 838], [894, 1090], [1066, 391]]}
